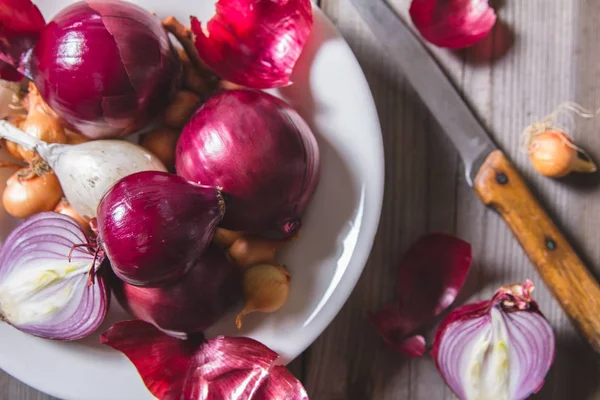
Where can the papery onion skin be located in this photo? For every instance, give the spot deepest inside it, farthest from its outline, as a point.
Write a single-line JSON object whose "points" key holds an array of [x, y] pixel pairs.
{"points": [[235, 368], [260, 151], [255, 43], [453, 23], [20, 24], [193, 303], [49, 237], [430, 276], [531, 338], [135, 69], [154, 226]]}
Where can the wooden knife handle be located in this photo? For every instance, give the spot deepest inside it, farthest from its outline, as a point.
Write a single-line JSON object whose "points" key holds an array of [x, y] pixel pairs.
{"points": [[500, 186]]}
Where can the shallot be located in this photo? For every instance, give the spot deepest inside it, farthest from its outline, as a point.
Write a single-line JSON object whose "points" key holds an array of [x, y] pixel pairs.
{"points": [[154, 226], [260, 151], [497, 349], [266, 289], [554, 154], [41, 123], [87, 170], [31, 190], [50, 285]]}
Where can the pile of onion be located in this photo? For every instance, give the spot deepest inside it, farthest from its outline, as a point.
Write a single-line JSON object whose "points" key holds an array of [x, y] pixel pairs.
{"points": [[245, 160]]}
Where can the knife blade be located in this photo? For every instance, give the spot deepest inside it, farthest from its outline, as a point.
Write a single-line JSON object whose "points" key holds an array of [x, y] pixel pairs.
{"points": [[489, 172]]}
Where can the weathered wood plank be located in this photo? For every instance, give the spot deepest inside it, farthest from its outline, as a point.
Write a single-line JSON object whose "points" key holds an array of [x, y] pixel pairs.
{"points": [[523, 83]]}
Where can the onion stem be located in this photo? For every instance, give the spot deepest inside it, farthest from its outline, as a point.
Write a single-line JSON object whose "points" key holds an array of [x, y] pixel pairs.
{"points": [[184, 36]]}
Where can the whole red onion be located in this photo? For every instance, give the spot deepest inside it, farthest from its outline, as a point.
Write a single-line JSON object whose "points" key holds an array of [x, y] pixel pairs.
{"points": [[154, 226], [260, 151], [106, 67], [194, 302]]}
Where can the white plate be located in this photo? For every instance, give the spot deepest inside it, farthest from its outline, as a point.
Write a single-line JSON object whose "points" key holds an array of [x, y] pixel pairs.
{"points": [[331, 93]]}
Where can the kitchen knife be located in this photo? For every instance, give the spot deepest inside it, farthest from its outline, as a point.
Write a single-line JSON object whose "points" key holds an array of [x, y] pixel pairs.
{"points": [[489, 172]]}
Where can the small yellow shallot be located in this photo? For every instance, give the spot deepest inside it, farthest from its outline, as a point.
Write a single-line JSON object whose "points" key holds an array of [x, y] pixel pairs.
{"points": [[553, 154], [266, 290], [162, 143], [31, 190], [224, 238], [41, 122], [249, 251], [63, 207], [181, 109]]}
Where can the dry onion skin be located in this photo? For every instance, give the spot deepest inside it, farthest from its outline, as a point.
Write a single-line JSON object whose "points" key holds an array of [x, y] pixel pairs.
{"points": [[453, 23], [437, 264], [222, 367], [257, 43]]}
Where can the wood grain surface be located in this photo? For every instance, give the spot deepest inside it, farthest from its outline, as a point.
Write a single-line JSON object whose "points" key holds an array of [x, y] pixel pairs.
{"points": [[541, 53]]}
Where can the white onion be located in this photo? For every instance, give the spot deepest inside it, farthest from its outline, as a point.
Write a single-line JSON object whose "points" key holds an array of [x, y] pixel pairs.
{"points": [[86, 171]]}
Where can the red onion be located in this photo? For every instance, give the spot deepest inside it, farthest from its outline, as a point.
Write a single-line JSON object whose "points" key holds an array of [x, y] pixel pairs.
{"points": [[255, 43], [233, 368], [452, 23], [135, 69], [44, 291], [20, 24], [500, 349], [194, 302], [8, 73], [430, 275], [154, 226], [260, 151]]}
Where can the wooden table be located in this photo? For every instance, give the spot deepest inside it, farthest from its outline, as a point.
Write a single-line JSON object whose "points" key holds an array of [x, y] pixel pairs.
{"points": [[541, 53]]}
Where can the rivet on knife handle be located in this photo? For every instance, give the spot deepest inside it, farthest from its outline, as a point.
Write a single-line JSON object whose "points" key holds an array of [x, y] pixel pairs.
{"points": [[500, 186]]}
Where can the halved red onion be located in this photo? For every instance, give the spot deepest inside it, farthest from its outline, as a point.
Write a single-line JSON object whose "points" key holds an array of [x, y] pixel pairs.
{"points": [[193, 303], [260, 151], [502, 348], [20, 24], [254, 43], [154, 226], [43, 291], [430, 275], [453, 23], [234, 368]]}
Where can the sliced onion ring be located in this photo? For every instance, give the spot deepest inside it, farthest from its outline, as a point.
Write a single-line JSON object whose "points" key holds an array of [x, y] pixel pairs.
{"points": [[42, 292]]}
